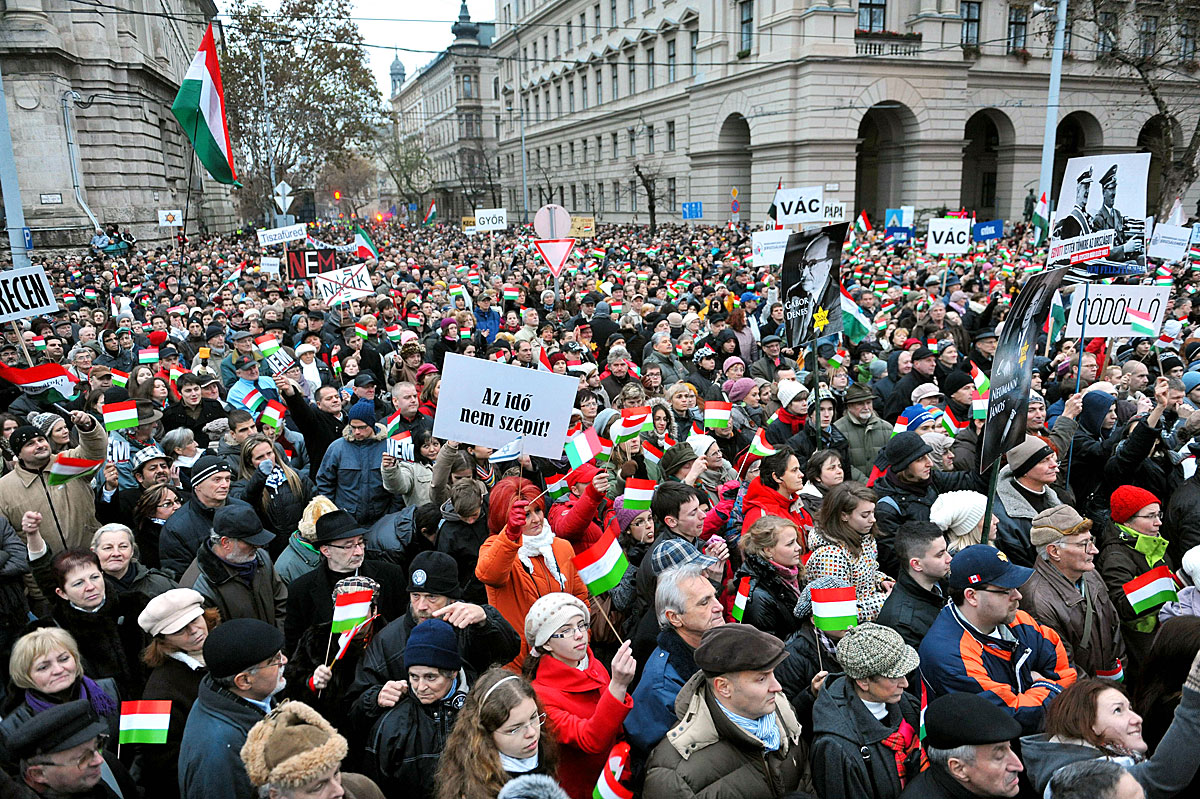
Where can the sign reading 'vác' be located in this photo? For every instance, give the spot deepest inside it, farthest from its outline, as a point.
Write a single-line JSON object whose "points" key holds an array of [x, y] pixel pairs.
{"points": [[25, 292], [800, 205]]}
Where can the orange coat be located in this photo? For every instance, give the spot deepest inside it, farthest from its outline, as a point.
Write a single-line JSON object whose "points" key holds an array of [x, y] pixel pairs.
{"points": [[512, 590]]}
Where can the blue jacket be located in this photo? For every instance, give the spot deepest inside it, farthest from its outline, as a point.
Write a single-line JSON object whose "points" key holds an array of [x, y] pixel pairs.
{"points": [[669, 666], [210, 760], [241, 387], [957, 658], [351, 476], [488, 321]]}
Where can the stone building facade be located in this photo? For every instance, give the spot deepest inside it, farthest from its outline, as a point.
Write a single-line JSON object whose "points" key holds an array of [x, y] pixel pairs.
{"points": [[452, 102], [930, 103], [106, 79]]}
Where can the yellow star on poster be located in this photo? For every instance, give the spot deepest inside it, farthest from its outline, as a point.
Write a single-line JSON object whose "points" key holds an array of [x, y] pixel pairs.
{"points": [[1024, 354], [170, 217], [821, 319]]}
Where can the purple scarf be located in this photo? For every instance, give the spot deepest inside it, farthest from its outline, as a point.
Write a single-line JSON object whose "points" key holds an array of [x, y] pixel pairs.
{"points": [[101, 702]]}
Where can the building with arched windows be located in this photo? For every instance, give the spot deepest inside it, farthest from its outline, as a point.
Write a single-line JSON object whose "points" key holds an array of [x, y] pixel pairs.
{"points": [[929, 103]]}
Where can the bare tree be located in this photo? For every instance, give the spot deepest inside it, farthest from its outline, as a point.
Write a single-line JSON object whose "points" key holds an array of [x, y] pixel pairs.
{"points": [[355, 178], [650, 176], [1155, 45], [407, 161], [478, 175]]}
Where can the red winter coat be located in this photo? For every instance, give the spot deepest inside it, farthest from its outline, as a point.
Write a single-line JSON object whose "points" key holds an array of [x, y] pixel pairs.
{"points": [[761, 501], [585, 718], [575, 519]]}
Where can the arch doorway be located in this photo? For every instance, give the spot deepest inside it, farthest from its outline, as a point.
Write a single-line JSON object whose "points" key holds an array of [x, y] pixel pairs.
{"points": [[880, 160], [987, 164], [734, 166], [1078, 134]]}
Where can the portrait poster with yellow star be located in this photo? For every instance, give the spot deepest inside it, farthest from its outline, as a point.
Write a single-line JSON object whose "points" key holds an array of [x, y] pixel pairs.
{"points": [[810, 282], [1012, 367]]}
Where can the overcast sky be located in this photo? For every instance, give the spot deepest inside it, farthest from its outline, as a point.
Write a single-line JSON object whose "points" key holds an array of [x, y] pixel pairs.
{"points": [[420, 36]]}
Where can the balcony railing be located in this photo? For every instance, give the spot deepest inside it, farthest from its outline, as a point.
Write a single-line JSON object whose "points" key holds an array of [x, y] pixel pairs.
{"points": [[886, 43]]}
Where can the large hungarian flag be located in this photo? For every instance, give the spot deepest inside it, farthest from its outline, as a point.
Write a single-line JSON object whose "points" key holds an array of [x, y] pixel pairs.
{"points": [[1041, 221], [364, 247], [431, 214], [48, 381], [200, 109]]}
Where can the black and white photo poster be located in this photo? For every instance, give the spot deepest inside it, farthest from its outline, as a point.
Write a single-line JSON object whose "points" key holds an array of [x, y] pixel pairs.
{"points": [[811, 275], [1101, 214]]}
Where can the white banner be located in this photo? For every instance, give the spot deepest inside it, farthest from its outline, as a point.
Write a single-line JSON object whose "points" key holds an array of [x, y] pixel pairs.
{"points": [[948, 236], [491, 219], [834, 211], [170, 218], [342, 285], [800, 205], [490, 404], [25, 292], [1169, 242], [269, 265], [1107, 306], [767, 247], [280, 235]]}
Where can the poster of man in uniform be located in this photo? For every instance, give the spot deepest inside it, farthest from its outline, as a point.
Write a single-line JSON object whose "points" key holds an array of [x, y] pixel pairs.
{"points": [[1102, 211], [1012, 367], [811, 275]]}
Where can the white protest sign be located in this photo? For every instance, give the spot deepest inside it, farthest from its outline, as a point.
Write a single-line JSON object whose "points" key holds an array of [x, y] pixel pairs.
{"points": [[25, 292], [491, 219], [490, 404], [908, 215], [800, 205], [1107, 306], [171, 218], [948, 236], [1196, 233], [834, 211], [1169, 242], [341, 285], [767, 247], [280, 235], [269, 265]]}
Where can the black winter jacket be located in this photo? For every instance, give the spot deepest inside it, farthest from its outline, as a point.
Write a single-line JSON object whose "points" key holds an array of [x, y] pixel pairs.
{"points": [[771, 599], [184, 533], [278, 508], [310, 597], [910, 609], [461, 541], [175, 416], [903, 502], [320, 428], [807, 655], [403, 749]]}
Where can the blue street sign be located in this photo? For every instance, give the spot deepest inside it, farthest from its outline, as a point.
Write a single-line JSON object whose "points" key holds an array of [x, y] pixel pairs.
{"points": [[412, 206], [988, 230], [692, 210], [28, 234], [893, 217], [734, 206], [900, 235]]}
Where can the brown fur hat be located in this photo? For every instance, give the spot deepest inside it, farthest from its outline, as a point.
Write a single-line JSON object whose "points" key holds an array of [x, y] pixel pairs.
{"points": [[292, 746]]}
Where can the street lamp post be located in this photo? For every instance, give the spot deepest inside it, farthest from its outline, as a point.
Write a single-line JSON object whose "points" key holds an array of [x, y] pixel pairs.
{"points": [[262, 73], [1052, 99]]}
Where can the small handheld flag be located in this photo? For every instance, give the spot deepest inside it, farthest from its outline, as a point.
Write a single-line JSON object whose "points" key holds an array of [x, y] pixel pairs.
{"points": [[602, 565], [638, 493], [583, 447], [145, 722], [120, 415], [834, 608], [1151, 590], [272, 415], [351, 609], [741, 600], [716, 414], [609, 786], [64, 469], [759, 445]]}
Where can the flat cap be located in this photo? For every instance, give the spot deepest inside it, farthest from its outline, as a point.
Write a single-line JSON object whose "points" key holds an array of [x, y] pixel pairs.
{"points": [[967, 720], [171, 611], [56, 729], [738, 647]]}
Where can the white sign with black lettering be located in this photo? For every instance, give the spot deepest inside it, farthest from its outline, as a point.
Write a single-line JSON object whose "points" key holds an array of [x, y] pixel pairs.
{"points": [[491, 219], [490, 404], [269, 265], [25, 292], [282, 235], [1106, 309], [948, 236], [834, 211], [800, 205], [342, 285]]}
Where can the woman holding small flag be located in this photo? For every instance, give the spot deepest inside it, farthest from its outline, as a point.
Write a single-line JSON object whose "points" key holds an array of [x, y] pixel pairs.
{"points": [[269, 484], [843, 546], [585, 707], [523, 559], [769, 578], [1135, 565]]}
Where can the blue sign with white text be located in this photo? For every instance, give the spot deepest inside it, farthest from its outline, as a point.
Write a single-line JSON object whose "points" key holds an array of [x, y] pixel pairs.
{"points": [[692, 210], [900, 235], [893, 217], [984, 231]]}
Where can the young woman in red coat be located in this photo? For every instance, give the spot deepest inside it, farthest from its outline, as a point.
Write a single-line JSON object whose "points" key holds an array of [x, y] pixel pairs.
{"points": [[584, 705]]}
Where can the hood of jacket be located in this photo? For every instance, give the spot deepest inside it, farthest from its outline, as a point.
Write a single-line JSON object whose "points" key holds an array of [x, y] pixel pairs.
{"points": [[379, 435], [767, 498], [1015, 503], [1042, 757], [1095, 407], [838, 711], [893, 366]]}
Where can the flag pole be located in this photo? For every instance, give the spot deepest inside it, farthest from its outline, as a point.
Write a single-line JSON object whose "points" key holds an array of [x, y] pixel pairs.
{"points": [[1079, 369], [991, 501], [604, 613], [25, 348]]}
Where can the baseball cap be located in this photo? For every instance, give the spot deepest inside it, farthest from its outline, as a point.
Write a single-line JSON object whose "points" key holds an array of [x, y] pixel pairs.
{"points": [[979, 565]]}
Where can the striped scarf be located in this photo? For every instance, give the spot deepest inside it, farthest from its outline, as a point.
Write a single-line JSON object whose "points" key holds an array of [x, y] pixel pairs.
{"points": [[903, 742]]}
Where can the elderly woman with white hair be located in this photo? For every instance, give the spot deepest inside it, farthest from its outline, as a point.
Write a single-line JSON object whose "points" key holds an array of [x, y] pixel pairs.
{"points": [[114, 545]]}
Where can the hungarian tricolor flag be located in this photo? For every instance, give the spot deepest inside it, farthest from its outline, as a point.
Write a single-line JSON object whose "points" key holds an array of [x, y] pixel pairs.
{"points": [[64, 469], [741, 600], [145, 721], [862, 224], [119, 378], [253, 399], [49, 381], [773, 211], [363, 246], [431, 214], [1141, 323], [1041, 221], [268, 345], [855, 324], [200, 109], [834, 608], [351, 609], [583, 447], [638, 493], [759, 446], [120, 415], [609, 786], [716, 414], [272, 415], [602, 565], [650, 452], [1151, 590], [148, 355]]}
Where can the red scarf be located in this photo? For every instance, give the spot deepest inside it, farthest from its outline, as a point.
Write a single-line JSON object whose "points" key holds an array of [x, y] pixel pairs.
{"points": [[902, 742], [791, 420]]}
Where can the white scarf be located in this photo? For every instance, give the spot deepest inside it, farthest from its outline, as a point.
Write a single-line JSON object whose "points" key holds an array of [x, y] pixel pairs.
{"points": [[533, 546]]}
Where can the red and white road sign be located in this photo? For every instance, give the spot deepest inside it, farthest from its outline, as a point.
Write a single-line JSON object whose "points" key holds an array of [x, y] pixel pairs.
{"points": [[555, 252]]}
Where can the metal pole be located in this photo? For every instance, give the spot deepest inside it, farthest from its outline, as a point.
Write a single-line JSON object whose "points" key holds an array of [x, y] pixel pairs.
{"points": [[262, 73], [14, 212], [1047, 171], [524, 158]]}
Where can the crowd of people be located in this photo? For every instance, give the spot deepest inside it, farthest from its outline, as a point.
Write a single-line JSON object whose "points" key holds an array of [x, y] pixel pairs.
{"points": [[235, 560]]}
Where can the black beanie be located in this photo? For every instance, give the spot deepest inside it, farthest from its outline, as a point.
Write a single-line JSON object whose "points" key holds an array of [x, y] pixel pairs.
{"points": [[955, 380], [433, 643], [904, 448], [22, 436]]}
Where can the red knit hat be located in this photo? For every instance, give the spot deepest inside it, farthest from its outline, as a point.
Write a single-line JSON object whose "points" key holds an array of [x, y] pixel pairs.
{"points": [[1128, 500]]}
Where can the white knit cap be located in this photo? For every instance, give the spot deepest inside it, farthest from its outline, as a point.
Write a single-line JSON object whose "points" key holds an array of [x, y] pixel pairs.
{"points": [[1191, 565], [550, 612], [701, 444], [788, 391], [957, 512]]}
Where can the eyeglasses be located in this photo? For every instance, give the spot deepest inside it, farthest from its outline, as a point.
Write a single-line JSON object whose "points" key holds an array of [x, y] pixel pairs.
{"points": [[532, 724], [278, 660], [579, 629], [1005, 591], [170, 503], [97, 748], [1085, 544], [360, 544], [1150, 516]]}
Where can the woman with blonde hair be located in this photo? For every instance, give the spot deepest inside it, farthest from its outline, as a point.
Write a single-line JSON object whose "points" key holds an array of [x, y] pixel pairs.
{"points": [[771, 550], [117, 550], [273, 488], [843, 546], [500, 734]]}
